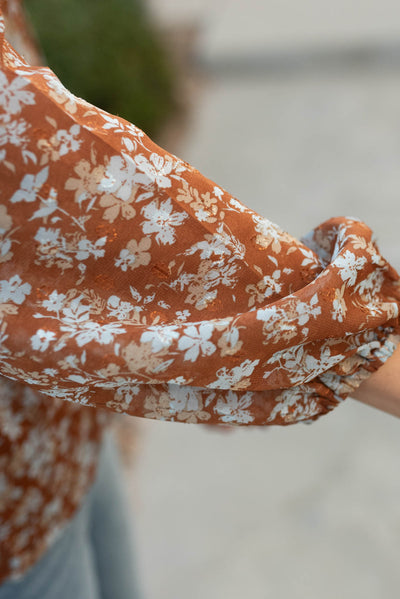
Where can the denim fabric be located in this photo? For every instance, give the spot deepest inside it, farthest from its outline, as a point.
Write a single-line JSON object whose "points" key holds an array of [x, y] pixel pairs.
{"points": [[93, 557]]}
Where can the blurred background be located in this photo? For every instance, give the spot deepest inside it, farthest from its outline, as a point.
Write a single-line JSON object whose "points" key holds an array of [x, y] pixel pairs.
{"points": [[294, 107]]}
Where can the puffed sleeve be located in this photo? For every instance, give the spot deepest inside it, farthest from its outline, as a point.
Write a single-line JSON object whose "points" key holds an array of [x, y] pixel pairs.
{"points": [[130, 281]]}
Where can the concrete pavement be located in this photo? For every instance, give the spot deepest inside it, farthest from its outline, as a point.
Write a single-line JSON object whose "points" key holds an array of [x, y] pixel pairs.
{"points": [[303, 511]]}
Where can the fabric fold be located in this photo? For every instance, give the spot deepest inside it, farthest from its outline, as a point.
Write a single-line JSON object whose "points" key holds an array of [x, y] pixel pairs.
{"points": [[130, 281]]}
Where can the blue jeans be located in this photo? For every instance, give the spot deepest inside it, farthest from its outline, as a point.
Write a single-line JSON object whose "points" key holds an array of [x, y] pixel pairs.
{"points": [[93, 557]]}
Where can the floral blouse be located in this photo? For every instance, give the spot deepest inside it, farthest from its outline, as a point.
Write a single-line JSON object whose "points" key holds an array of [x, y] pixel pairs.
{"points": [[131, 282]]}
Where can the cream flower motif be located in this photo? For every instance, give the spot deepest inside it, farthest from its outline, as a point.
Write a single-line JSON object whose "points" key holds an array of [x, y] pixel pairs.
{"points": [[160, 219], [339, 305], [134, 254], [5, 220], [264, 288], [86, 186]]}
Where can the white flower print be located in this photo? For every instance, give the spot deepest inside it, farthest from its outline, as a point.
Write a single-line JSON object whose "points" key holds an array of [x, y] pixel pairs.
{"points": [[221, 276], [55, 301], [126, 260], [119, 309], [93, 331], [372, 283], [217, 191], [14, 290], [121, 177], [197, 339], [182, 315], [12, 132], [77, 395], [305, 310], [60, 93], [160, 337], [12, 95], [75, 312], [294, 404], [85, 330], [135, 294], [161, 219], [183, 399], [87, 248], [48, 237], [234, 409], [30, 186], [301, 366], [179, 380], [157, 168], [229, 378], [270, 231], [348, 266], [238, 206], [69, 143], [41, 339], [212, 244], [47, 205]]}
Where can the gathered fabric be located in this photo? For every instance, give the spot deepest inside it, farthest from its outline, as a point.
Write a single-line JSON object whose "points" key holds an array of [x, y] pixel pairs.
{"points": [[131, 282]]}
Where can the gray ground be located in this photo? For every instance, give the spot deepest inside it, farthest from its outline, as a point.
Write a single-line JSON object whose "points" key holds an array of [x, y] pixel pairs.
{"points": [[304, 511]]}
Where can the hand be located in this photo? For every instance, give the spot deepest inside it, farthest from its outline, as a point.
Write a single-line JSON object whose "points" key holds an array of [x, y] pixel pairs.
{"points": [[382, 389]]}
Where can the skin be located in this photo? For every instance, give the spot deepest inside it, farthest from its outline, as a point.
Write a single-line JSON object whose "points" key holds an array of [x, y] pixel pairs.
{"points": [[382, 389]]}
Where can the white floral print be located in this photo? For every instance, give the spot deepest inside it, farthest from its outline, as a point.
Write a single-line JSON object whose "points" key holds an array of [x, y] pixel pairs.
{"points": [[14, 290], [30, 186], [161, 220], [41, 339], [13, 95], [233, 410], [196, 340]]}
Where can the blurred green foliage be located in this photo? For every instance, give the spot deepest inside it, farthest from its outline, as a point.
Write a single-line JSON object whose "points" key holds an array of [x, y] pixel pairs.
{"points": [[109, 53]]}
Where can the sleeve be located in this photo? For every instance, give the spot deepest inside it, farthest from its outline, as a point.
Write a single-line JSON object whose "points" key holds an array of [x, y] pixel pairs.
{"points": [[130, 281]]}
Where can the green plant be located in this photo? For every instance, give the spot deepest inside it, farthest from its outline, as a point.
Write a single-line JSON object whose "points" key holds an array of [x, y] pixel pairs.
{"points": [[110, 53]]}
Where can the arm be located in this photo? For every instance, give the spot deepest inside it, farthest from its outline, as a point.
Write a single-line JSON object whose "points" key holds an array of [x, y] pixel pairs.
{"points": [[130, 281], [381, 390]]}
